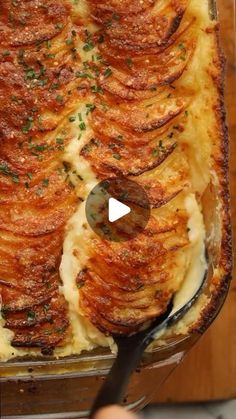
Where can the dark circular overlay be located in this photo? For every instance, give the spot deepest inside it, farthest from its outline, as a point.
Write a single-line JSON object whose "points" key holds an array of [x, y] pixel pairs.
{"points": [[128, 193]]}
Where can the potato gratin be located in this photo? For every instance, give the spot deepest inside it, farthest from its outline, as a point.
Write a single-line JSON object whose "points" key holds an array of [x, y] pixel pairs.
{"points": [[91, 89]]}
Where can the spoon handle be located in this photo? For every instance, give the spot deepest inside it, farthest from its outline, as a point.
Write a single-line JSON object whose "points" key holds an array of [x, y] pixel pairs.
{"points": [[115, 384], [130, 351]]}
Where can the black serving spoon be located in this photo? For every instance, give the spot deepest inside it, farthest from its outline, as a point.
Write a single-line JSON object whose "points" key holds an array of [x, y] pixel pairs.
{"points": [[130, 351]]}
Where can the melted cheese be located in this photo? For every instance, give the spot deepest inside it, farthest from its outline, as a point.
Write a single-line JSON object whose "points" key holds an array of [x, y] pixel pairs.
{"points": [[6, 350], [84, 335], [198, 264]]}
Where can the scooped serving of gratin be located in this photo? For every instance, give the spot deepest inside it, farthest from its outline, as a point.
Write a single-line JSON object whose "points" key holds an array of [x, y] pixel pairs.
{"points": [[92, 90]]}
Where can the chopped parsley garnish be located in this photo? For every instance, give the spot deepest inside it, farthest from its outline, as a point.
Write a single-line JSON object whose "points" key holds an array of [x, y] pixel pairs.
{"points": [[67, 166], [60, 98], [30, 73], [82, 126], [31, 315], [49, 56], [45, 182], [69, 41], [155, 152], [90, 107], [60, 329], [6, 53], [96, 89], [59, 25], [83, 75], [101, 39], [159, 149], [88, 46], [28, 126], [5, 170], [184, 51], [129, 62], [80, 283], [116, 156], [107, 72]]}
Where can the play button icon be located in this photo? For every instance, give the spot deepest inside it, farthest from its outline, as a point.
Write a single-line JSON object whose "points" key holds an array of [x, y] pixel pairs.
{"points": [[117, 209]]}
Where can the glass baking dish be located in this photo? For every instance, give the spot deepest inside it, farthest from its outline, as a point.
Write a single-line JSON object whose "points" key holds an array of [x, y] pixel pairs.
{"points": [[65, 388]]}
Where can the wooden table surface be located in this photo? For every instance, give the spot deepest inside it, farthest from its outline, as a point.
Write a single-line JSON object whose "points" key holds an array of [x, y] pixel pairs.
{"points": [[211, 365]]}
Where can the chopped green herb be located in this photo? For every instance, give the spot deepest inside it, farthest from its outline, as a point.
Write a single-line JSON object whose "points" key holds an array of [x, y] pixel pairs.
{"points": [[45, 183], [90, 107], [108, 23], [115, 16], [6, 53], [116, 156], [48, 44], [49, 56], [96, 89], [69, 41], [60, 98], [67, 166], [88, 46], [47, 332], [155, 152], [82, 126], [38, 147], [42, 82], [31, 315], [79, 177], [59, 25], [60, 329], [101, 39], [46, 308], [80, 283], [5, 170], [129, 62], [107, 72], [28, 125], [84, 75]]}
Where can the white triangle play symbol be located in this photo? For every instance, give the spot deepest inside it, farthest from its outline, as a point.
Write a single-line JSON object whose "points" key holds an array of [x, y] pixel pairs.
{"points": [[116, 210]]}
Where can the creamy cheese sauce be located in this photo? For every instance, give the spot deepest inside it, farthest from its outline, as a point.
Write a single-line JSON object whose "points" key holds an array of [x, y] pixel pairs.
{"points": [[6, 350], [198, 264], [84, 335]]}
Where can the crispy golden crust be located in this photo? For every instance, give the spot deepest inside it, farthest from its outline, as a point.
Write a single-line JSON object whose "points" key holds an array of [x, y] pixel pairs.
{"points": [[221, 281], [137, 122], [122, 288], [36, 202], [138, 104]]}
